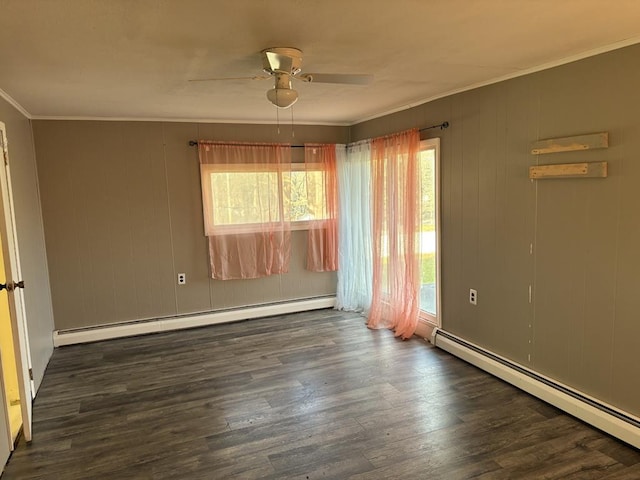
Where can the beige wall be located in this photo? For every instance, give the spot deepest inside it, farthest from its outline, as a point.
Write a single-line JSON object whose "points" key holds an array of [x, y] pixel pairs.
{"points": [[123, 215], [582, 327], [30, 232]]}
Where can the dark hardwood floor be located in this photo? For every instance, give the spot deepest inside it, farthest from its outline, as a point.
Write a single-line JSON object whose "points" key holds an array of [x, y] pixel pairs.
{"points": [[304, 396]]}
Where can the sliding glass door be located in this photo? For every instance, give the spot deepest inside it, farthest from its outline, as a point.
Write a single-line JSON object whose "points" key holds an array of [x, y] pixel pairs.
{"points": [[429, 232]]}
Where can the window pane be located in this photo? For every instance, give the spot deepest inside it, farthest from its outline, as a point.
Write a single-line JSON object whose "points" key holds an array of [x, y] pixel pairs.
{"points": [[315, 195], [297, 201], [244, 197], [428, 231], [306, 195]]}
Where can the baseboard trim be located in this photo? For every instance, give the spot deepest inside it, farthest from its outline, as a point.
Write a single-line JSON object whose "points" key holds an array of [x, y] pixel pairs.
{"points": [[616, 422], [142, 327]]}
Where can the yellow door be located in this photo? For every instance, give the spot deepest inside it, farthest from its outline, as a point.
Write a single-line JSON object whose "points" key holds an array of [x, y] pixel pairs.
{"points": [[9, 367], [13, 295]]}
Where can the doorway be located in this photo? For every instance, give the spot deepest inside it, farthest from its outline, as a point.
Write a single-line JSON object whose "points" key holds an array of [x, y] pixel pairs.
{"points": [[15, 375], [9, 375]]}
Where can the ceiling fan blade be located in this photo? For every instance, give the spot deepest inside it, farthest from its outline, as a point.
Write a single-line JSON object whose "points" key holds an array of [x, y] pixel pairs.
{"points": [[344, 78], [228, 78]]}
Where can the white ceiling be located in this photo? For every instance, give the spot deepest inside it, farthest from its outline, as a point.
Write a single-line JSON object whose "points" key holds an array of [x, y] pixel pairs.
{"points": [[132, 59]]}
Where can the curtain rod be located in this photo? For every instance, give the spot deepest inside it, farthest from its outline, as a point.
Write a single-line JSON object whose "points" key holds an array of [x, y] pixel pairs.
{"points": [[441, 126], [194, 143]]}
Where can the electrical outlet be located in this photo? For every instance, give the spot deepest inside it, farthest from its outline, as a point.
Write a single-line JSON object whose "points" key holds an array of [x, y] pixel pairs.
{"points": [[182, 278], [473, 296]]}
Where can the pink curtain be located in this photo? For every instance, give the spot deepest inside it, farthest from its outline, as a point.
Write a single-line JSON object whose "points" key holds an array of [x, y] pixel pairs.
{"points": [[322, 244], [246, 218], [396, 227]]}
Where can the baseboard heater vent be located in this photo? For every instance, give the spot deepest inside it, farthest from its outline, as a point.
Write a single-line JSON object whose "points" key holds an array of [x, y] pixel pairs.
{"points": [[618, 423], [180, 322]]}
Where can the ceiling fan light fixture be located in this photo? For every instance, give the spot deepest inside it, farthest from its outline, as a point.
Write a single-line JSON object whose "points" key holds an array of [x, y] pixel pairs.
{"points": [[282, 97], [284, 64]]}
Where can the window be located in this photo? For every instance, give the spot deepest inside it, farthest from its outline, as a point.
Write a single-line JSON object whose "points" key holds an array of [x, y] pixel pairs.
{"points": [[241, 196], [252, 196]]}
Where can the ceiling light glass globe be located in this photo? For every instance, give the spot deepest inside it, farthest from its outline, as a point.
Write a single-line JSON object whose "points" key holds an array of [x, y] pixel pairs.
{"points": [[282, 97]]}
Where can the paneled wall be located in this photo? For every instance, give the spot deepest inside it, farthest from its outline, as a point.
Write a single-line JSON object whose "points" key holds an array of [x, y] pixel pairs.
{"points": [[30, 232], [574, 241], [123, 215]]}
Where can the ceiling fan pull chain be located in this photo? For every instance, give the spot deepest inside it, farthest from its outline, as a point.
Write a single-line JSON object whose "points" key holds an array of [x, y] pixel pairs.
{"points": [[293, 132]]}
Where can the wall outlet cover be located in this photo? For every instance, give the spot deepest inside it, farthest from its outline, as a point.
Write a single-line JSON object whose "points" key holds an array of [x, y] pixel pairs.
{"points": [[473, 296]]}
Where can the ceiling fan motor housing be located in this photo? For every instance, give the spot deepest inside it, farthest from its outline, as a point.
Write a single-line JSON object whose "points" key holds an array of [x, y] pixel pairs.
{"points": [[282, 60]]}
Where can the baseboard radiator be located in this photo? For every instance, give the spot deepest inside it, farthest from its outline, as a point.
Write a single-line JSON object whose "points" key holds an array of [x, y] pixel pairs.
{"points": [[617, 423], [180, 322]]}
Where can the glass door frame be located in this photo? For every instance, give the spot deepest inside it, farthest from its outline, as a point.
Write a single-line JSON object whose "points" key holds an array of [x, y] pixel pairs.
{"points": [[429, 318]]}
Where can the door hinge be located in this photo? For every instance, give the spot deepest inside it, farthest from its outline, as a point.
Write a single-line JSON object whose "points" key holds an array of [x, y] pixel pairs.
{"points": [[10, 286], [31, 374]]}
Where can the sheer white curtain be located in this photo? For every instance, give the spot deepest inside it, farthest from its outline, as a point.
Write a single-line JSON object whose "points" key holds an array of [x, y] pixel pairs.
{"points": [[355, 265]]}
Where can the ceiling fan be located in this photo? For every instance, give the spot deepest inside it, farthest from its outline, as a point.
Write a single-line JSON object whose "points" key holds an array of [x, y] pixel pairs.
{"points": [[284, 64]]}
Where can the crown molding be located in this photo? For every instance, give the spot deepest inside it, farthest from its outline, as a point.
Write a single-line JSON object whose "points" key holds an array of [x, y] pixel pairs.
{"points": [[519, 73], [10, 100], [184, 120]]}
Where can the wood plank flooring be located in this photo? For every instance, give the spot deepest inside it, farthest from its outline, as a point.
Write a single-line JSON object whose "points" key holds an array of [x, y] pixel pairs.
{"points": [[304, 396]]}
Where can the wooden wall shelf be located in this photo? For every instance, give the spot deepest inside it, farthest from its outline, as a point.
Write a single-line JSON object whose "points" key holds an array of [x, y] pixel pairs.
{"points": [[569, 170], [570, 144]]}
